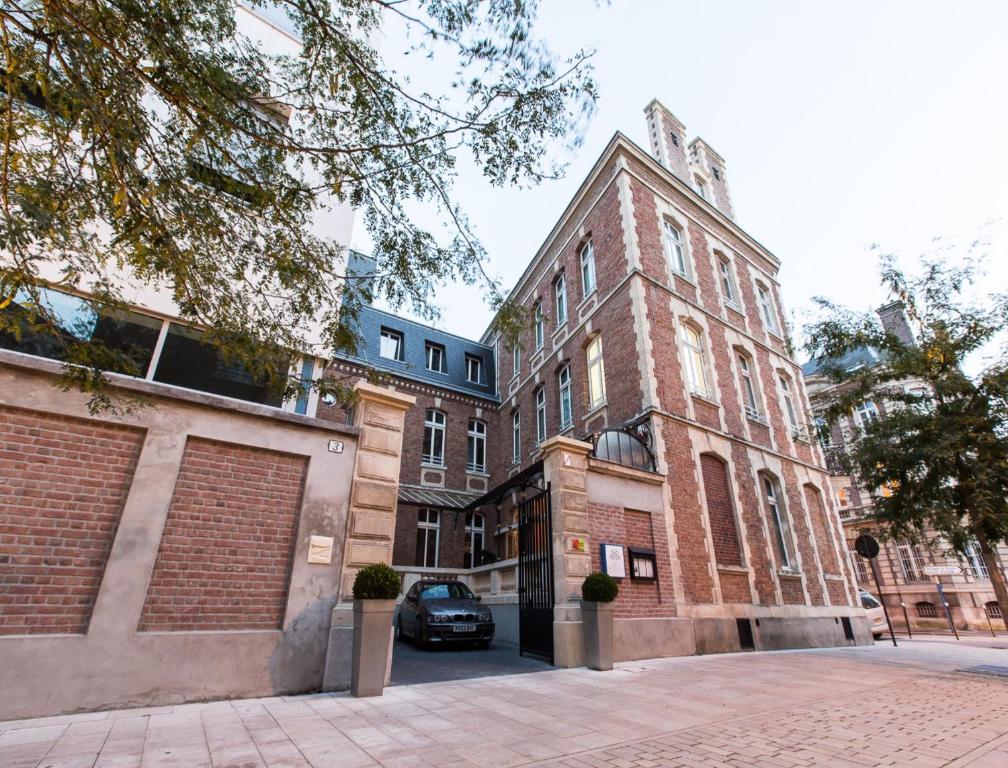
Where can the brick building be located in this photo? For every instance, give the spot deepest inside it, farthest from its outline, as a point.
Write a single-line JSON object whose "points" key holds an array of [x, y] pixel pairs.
{"points": [[908, 589], [654, 314]]}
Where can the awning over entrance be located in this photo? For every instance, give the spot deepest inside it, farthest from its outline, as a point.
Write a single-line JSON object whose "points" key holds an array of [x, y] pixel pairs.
{"points": [[524, 479], [434, 497]]}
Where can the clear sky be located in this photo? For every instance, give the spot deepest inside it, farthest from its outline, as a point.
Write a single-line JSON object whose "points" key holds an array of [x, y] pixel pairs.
{"points": [[842, 125]]}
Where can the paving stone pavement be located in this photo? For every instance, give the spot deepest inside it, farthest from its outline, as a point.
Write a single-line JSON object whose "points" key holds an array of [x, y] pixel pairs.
{"points": [[877, 706]]}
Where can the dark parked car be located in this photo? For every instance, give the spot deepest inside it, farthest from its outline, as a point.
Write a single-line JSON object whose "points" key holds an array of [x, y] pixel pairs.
{"points": [[444, 611]]}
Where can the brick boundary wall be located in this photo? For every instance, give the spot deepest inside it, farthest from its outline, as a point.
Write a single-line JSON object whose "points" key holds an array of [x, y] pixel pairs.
{"points": [[64, 482], [225, 556]]}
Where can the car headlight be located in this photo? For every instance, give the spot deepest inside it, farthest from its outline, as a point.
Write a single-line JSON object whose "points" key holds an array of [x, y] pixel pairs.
{"points": [[486, 617], [437, 618]]}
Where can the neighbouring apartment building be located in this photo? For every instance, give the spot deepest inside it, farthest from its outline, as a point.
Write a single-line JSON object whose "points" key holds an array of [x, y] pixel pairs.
{"points": [[909, 572], [657, 335]]}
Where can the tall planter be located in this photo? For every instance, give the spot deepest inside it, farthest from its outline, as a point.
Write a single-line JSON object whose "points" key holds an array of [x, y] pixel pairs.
{"points": [[598, 627], [371, 647]]}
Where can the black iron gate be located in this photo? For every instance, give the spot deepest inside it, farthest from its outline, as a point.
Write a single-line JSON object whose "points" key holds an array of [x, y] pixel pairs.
{"points": [[535, 576]]}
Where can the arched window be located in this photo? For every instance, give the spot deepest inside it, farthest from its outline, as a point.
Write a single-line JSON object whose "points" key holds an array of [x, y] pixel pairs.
{"points": [[720, 510], [747, 383], [821, 526], [477, 446], [587, 268], [694, 360], [672, 241], [596, 374], [728, 290], [434, 437], [566, 410], [766, 307], [540, 415], [926, 610], [780, 526], [540, 326]]}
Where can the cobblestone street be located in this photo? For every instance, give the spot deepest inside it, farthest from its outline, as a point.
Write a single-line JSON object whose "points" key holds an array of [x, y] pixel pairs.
{"points": [[880, 706]]}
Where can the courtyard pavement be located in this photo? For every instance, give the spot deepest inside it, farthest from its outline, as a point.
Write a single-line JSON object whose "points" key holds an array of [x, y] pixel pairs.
{"points": [[877, 706]]}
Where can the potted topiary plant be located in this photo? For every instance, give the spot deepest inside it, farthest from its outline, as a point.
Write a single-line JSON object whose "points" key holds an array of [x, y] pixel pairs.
{"points": [[375, 590], [597, 594]]}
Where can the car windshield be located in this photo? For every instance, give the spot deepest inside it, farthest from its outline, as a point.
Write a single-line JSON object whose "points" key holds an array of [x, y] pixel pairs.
{"points": [[449, 590], [869, 600]]}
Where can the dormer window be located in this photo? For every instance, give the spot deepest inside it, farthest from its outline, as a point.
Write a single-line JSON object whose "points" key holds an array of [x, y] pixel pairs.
{"points": [[701, 188], [474, 369], [391, 344], [717, 173], [436, 358]]}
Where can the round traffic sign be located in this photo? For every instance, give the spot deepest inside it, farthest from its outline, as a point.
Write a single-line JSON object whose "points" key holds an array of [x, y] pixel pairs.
{"points": [[866, 546]]}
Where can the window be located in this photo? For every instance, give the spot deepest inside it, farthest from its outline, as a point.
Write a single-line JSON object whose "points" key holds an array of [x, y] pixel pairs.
{"points": [[720, 510], [188, 361], [766, 307], [909, 562], [716, 171], [843, 497], [391, 344], [434, 437], [566, 413], [748, 385], [787, 400], [926, 610], [865, 413], [540, 326], [428, 533], [993, 609], [860, 570], [693, 360], [779, 523], [516, 437], [477, 446], [824, 433], [540, 415], [560, 292], [672, 242], [701, 188], [435, 357], [596, 374], [475, 529], [727, 281], [515, 360], [474, 369], [587, 268], [62, 321], [977, 566]]}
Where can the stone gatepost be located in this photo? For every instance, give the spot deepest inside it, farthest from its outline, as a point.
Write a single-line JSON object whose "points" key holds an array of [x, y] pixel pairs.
{"points": [[370, 525], [565, 467]]}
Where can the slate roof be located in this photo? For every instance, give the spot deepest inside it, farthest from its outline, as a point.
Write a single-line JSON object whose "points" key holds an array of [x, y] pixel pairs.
{"points": [[856, 357], [413, 363]]}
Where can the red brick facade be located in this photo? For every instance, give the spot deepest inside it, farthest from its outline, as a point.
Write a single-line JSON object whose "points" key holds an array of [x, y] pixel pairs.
{"points": [[225, 555], [64, 484]]}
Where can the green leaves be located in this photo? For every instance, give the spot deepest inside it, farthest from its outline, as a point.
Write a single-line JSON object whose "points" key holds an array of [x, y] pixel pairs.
{"points": [[156, 142]]}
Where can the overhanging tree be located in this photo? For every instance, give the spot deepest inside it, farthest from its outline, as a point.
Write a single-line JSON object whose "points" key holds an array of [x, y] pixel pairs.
{"points": [[941, 451], [150, 138]]}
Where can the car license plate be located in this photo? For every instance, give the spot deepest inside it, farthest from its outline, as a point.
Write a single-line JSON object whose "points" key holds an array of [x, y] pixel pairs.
{"points": [[465, 628]]}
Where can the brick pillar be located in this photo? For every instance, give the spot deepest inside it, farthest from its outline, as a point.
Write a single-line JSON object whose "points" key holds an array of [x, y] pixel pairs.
{"points": [[565, 467], [370, 525]]}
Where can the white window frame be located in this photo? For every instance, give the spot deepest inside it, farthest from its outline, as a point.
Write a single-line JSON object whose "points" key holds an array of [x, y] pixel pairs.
{"points": [[976, 562], [587, 256], [560, 299], [772, 494], [515, 360], [388, 335], [566, 405], [909, 562], [865, 412], [472, 530], [516, 437], [767, 306], [427, 527], [694, 359], [728, 288], [675, 250], [540, 415], [478, 361], [596, 374], [540, 326], [701, 187], [787, 401], [750, 393], [436, 422], [431, 348], [476, 435]]}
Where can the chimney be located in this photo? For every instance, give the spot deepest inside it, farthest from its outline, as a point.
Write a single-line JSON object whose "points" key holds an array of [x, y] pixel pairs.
{"points": [[894, 320], [709, 170], [668, 140]]}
